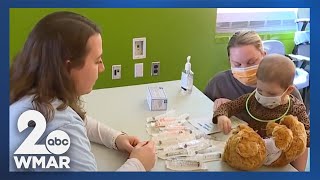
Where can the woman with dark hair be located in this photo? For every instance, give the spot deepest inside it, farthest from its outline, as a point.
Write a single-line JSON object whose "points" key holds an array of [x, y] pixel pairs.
{"points": [[59, 62]]}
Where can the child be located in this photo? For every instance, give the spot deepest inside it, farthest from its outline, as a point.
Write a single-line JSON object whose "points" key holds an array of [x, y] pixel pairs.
{"points": [[269, 102]]}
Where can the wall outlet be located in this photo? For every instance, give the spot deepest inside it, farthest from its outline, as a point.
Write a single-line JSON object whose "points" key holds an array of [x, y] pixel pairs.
{"points": [[139, 48], [116, 72], [155, 68], [138, 70]]}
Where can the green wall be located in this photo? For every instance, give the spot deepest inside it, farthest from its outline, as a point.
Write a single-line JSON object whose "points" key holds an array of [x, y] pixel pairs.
{"points": [[172, 35]]}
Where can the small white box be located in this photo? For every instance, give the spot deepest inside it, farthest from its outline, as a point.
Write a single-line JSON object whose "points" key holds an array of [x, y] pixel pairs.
{"points": [[157, 99]]}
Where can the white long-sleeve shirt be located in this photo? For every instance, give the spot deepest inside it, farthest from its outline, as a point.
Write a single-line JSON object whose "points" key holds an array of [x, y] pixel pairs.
{"points": [[102, 134], [80, 133]]}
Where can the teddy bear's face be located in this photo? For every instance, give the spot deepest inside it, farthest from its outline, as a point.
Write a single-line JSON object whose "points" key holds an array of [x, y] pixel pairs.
{"points": [[247, 141], [247, 145], [245, 149]]}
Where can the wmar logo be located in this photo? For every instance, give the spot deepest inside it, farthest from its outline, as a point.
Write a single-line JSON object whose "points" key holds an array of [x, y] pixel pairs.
{"points": [[57, 143]]}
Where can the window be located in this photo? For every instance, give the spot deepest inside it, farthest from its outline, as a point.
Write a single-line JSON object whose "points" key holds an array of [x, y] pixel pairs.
{"points": [[230, 20]]}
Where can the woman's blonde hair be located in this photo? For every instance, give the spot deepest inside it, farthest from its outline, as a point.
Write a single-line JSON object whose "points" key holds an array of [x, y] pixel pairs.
{"points": [[246, 37]]}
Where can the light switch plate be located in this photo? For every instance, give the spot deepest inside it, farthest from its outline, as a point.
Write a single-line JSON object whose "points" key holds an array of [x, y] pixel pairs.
{"points": [[138, 70]]}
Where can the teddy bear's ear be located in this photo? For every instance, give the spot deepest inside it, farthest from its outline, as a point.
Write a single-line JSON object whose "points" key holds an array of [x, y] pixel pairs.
{"points": [[235, 131], [238, 129], [242, 126], [247, 149]]}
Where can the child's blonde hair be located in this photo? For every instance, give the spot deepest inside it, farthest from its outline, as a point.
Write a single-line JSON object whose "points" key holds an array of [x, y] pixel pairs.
{"points": [[277, 68]]}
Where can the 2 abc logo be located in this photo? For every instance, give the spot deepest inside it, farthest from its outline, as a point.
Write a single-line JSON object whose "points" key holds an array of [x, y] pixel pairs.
{"points": [[57, 143]]}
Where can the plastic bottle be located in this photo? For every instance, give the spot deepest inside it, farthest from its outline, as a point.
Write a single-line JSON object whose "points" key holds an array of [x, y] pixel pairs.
{"points": [[187, 77]]}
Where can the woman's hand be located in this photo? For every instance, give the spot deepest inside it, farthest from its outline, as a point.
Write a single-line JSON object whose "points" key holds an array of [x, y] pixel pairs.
{"points": [[145, 152], [126, 143], [218, 102]]}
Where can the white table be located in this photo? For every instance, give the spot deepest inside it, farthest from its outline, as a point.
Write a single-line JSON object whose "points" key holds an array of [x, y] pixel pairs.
{"points": [[126, 109]]}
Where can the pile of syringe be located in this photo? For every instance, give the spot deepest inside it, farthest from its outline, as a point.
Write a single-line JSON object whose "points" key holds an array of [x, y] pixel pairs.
{"points": [[181, 146]]}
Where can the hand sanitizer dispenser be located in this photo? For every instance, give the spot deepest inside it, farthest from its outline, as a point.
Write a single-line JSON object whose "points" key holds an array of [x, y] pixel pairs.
{"points": [[187, 77]]}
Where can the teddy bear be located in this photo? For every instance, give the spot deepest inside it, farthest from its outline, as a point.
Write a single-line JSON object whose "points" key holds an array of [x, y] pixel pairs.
{"points": [[246, 150]]}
